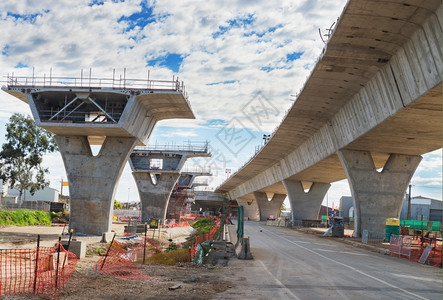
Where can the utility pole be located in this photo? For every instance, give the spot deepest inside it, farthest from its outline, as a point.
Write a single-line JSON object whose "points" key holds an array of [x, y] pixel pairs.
{"points": [[61, 191], [409, 202]]}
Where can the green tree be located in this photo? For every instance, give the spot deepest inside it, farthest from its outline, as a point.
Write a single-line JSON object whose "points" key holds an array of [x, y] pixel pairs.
{"points": [[21, 155], [117, 205]]}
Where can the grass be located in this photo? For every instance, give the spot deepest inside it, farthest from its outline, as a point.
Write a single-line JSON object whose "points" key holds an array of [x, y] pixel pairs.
{"points": [[24, 217], [203, 226], [170, 258]]}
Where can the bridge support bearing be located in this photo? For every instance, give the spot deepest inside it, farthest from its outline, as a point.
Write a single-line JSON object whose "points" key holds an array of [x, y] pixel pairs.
{"points": [[376, 195], [268, 208], [250, 208], [305, 206], [93, 179], [154, 196]]}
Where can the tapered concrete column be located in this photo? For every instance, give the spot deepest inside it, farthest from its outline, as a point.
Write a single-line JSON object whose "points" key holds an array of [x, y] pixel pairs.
{"points": [[156, 171], [250, 208], [269, 207], [305, 206], [154, 195], [93, 180], [376, 195]]}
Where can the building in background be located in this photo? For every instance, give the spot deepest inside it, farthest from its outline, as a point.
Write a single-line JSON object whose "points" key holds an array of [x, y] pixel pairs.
{"points": [[422, 208], [346, 207], [47, 194]]}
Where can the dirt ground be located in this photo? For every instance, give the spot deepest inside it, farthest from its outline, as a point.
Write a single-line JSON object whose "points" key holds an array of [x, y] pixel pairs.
{"points": [[194, 281]]}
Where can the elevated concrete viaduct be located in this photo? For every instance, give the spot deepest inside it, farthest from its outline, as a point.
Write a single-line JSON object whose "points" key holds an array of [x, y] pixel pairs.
{"points": [[156, 171], [208, 201], [373, 100], [116, 114]]}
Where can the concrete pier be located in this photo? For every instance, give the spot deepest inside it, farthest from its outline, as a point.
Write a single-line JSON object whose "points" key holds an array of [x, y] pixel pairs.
{"points": [[106, 112], [305, 205], [92, 179], [156, 172], [250, 206], [377, 195], [267, 207]]}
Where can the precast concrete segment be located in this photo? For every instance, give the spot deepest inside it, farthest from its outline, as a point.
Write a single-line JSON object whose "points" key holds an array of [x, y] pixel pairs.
{"points": [[154, 192], [267, 207], [93, 180], [172, 160], [187, 178], [305, 206], [250, 208], [377, 195], [98, 113]]}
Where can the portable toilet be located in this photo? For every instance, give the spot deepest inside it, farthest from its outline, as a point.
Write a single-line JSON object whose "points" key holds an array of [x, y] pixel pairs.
{"points": [[392, 227]]}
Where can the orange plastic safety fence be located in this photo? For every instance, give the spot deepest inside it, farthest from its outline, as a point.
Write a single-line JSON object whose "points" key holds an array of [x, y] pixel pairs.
{"points": [[181, 224], [144, 251], [35, 271], [118, 263], [205, 237]]}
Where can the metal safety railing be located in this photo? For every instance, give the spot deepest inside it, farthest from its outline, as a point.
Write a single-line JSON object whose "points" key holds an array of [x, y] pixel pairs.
{"points": [[94, 82], [89, 82], [189, 147]]}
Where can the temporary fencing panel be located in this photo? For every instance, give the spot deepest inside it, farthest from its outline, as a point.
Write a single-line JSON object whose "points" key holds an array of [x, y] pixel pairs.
{"points": [[407, 247], [400, 245], [420, 225], [118, 263], [43, 270]]}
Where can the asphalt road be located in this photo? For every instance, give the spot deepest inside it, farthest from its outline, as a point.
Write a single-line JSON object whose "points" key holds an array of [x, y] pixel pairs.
{"points": [[289, 264]]}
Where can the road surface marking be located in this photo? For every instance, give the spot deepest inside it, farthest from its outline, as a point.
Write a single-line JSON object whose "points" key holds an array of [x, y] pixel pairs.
{"points": [[418, 278], [279, 282], [342, 252], [350, 267]]}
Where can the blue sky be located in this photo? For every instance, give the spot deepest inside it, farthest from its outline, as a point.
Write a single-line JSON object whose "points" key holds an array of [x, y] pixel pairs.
{"points": [[240, 61]]}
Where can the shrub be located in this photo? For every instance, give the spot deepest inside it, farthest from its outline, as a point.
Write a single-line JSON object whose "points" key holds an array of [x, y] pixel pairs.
{"points": [[24, 217], [203, 226]]}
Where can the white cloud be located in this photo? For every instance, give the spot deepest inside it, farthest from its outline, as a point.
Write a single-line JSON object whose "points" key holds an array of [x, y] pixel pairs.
{"points": [[178, 133], [68, 36]]}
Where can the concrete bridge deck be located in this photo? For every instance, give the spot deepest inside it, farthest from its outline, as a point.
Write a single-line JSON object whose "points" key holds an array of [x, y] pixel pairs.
{"points": [[377, 88]]}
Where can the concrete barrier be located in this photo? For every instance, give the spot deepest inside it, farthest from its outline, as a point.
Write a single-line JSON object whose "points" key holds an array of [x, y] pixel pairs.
{"points": [[278, 223], [243, 249]]}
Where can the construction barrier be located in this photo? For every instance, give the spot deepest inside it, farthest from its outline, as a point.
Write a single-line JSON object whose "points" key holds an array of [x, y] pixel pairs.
{"points": [[44, 270], [400, 245], [422, 250], [180, 224], [205, 237], [118, 263], [420, 225]]}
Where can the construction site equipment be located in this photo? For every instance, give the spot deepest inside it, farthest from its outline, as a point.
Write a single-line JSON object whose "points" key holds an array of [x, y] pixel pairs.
{"points": [[181, 198]]}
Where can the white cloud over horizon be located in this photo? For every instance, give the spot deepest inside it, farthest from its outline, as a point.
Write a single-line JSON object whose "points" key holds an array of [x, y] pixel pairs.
{"points": [[228, 53]]}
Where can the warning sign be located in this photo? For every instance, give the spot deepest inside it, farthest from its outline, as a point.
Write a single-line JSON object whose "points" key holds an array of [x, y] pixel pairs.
{"points": [[153, 223]]}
